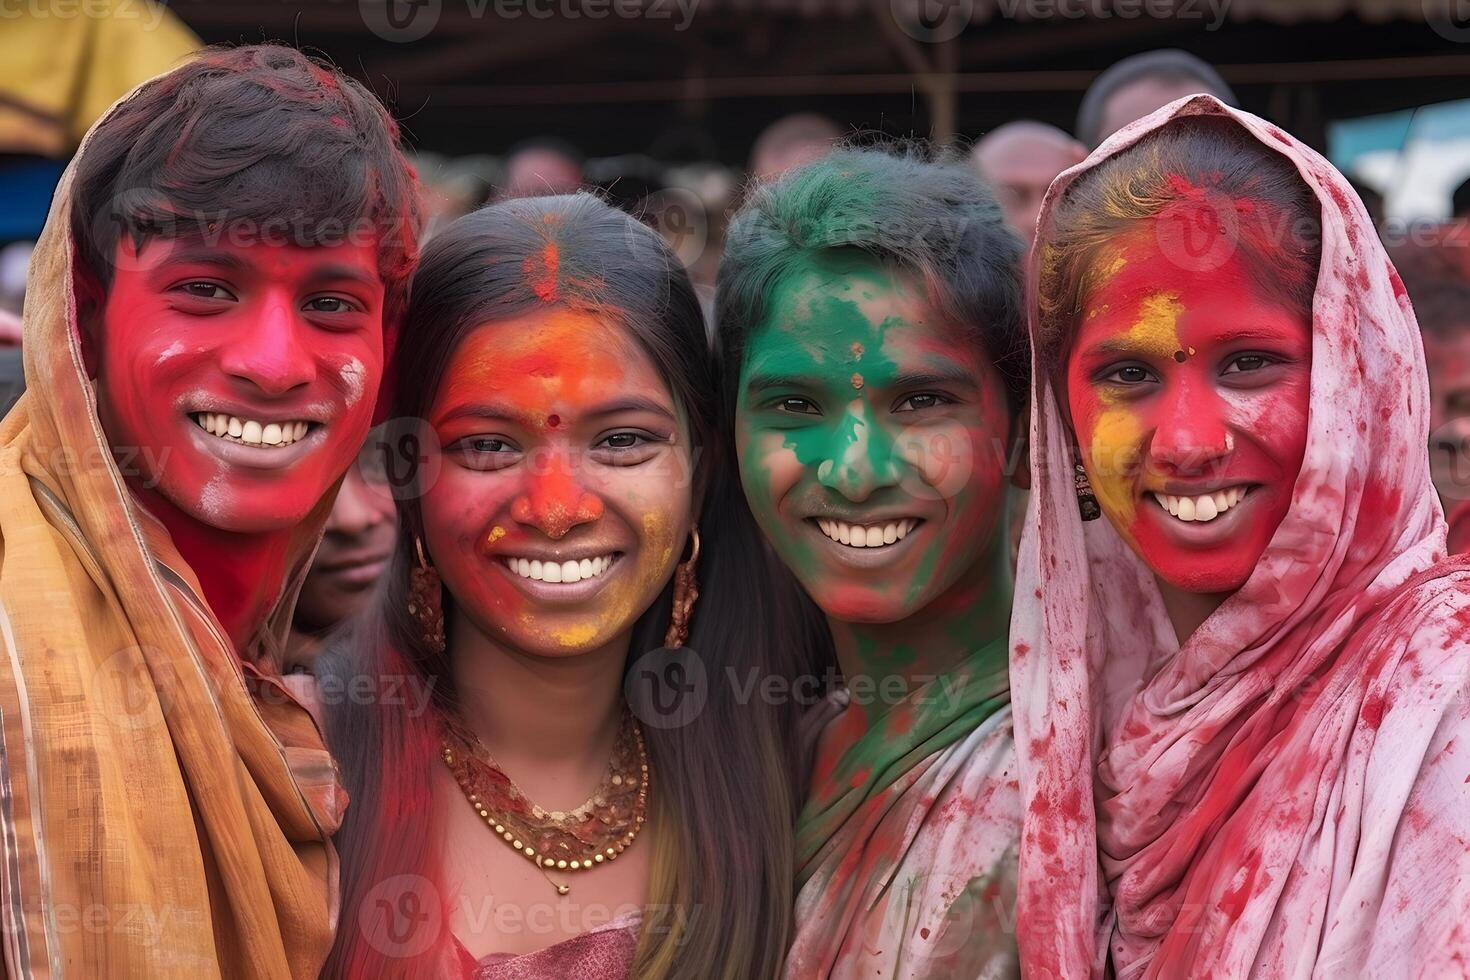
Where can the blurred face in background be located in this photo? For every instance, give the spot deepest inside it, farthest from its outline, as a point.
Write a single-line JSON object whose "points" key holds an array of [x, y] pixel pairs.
{"points": [[1020, 160], [355, 549], [1141, 97], [1448, 357]]}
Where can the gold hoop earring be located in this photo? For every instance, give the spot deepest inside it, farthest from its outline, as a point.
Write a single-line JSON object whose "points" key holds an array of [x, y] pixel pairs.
{"points": [[426, 600], [686, 591]]}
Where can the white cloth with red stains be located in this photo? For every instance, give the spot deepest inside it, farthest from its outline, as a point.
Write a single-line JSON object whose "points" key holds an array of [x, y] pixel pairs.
{"points": [[1285, 794]]}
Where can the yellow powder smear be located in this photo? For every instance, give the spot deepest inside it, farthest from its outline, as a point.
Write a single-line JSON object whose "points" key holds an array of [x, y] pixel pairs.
{"points": [[1155, 328], [1115, 266], [1114, 443], [496, 533], [575, 636]]}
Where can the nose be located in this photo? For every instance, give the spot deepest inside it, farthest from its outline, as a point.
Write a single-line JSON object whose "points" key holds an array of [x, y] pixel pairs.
{"points": [[554, 500], [861, 459], [268, 351], [1192, 432], [360, 507]]}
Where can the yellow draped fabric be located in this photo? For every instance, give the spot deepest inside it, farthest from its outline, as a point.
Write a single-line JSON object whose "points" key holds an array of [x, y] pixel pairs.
{"points": [[62, 64], [165, 806]]}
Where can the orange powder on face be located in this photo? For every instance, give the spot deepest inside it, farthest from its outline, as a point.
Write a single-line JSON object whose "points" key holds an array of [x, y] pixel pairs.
{"points": [[541, 269]]}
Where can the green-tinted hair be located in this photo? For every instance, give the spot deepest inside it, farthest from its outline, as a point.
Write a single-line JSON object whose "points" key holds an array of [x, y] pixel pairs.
{"points": [[908, 206]]}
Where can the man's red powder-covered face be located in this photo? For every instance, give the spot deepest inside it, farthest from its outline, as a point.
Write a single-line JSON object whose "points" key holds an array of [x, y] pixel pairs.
{"points": [[240, 378]]}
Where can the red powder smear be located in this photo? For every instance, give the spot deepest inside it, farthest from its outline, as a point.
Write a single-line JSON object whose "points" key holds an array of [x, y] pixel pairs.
{"points": [[1022, 649], [541, 269], [552, 421], [1399, 291], [1373, 711], [1232, 903]]}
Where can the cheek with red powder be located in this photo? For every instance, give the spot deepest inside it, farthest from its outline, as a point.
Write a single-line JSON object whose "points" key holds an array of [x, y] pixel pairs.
{"points": [[1157, 416]]}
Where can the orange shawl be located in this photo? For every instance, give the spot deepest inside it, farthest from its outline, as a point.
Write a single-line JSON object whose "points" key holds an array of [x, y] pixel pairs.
{"points": [[165, 806]]}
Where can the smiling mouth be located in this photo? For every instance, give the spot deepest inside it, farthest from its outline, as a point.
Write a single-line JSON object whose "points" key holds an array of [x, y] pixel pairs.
{"points": [[561, 572], [867, 535], [1203, 507], [248, 432]]}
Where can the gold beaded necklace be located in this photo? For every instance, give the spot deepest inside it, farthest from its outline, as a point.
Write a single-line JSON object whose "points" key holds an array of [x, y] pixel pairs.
{"points": [[596, 832]]}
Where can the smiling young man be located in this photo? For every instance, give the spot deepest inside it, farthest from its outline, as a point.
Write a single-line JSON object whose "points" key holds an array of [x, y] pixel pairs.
{"points": [[869, 308], [205, 333]]}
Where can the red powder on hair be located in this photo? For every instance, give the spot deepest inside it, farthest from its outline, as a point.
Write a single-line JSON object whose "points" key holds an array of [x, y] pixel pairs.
{"points": [[541, 269]]}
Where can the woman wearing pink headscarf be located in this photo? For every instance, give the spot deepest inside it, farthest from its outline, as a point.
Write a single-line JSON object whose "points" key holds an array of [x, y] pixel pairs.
{"points": [[1240, 696]]}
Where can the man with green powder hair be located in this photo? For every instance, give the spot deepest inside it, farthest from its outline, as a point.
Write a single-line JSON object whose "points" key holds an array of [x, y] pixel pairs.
{"points": [[874, 357]]}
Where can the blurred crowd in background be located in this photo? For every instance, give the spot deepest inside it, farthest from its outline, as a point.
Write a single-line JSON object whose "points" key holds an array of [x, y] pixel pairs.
{"points": [[62, 62]]}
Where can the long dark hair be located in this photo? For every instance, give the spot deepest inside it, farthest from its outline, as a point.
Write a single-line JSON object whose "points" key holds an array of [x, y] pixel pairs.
{"points": [[728, 785]]}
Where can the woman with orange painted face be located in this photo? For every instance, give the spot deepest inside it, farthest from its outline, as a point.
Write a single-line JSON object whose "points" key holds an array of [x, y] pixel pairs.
{"points": [[1241, 695], [573, 531]]}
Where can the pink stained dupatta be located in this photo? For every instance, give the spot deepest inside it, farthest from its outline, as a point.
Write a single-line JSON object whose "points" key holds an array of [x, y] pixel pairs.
{"points": [[1287, 793]]}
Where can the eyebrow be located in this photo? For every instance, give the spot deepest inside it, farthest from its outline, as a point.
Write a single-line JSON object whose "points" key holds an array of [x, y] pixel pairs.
{"points": [[940, 377], [198, 254], [1119, 345], [204, 255], [500, 412]]}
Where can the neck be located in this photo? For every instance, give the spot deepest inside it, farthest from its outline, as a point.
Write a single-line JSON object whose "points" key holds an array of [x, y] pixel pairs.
{"points": [[1187, 610], [241, 574], [536, 712], [970, 615]]}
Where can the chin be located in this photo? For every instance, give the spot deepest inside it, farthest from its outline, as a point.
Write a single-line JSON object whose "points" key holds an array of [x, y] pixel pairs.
{"points": [[859, 605], [240, 513], [1201, 581]]}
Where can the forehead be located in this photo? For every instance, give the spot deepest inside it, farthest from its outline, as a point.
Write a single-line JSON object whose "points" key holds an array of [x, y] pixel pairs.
{"points": [[833, 306], [1143, 95], [560, 352], [1141, 293], [1025, 160]]}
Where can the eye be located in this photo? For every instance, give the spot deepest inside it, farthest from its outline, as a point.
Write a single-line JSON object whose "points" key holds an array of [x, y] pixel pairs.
{"points": [[623, 440], [796, 406], [917, 403], [330, 304], [484, 452], [627, 448], [1248, 362], [1129, 374], [205, 290]]}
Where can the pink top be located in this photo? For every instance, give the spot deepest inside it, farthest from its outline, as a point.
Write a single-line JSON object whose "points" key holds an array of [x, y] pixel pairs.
{"points": [[604, 953]]}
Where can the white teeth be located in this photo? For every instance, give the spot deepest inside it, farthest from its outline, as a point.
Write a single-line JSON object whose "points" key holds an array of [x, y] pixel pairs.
{"points": [[251, 432], [1205, 507], [867, 535], [560, 572]]}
